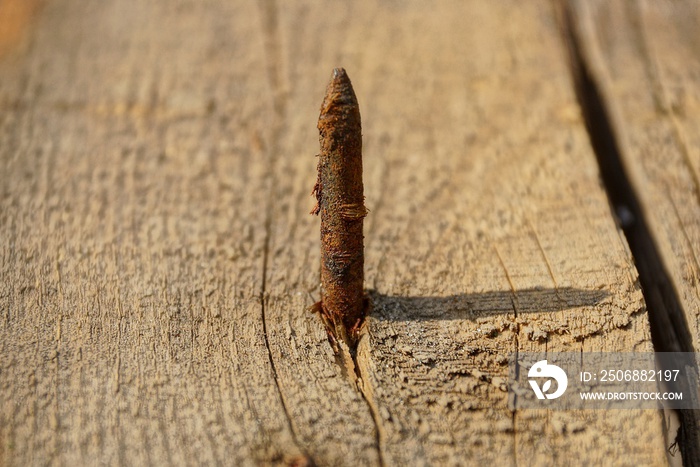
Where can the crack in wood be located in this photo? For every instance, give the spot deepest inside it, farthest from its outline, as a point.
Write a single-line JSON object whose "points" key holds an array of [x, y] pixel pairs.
{"points": [[263, 291], [367, 395], [270, 36]]}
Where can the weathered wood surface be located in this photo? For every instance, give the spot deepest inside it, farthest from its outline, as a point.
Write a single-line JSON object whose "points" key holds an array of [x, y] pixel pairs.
{"points": [[158, 260], [644, 57]]}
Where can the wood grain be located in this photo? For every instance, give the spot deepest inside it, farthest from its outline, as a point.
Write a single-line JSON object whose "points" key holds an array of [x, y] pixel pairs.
{"points": [[158, 259], [643, 58]]}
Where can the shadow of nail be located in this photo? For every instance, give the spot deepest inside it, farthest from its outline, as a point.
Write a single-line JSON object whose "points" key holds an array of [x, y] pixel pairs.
{"points": [[471, 306]]}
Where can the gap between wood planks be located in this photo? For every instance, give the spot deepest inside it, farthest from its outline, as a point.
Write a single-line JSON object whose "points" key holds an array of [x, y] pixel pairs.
{"points": [[669, 328]]}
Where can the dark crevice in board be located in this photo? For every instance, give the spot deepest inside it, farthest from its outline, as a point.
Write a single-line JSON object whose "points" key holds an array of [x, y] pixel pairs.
{"points": [[269, 25], [308, 459], [360, 382], [669, 329]]}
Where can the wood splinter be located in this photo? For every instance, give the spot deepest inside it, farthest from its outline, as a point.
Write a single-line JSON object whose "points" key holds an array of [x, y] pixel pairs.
{"points": [[339, 192]]}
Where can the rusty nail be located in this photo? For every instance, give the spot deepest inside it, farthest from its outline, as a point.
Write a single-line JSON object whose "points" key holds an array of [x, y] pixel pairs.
{"points": [[339, 193]]}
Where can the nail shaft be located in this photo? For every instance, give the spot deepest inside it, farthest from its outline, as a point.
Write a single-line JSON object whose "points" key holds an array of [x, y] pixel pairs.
{"points": [[339, 192]]}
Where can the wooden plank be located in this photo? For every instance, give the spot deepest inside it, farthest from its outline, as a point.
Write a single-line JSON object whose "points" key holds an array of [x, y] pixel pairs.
{"points": [[156, 164], [484, 203], [642, 56], [136, 177]]}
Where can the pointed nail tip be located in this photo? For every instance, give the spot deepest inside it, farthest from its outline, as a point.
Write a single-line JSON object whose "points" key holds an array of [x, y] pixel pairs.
{"points": [[340, 76], [339, 90]]}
